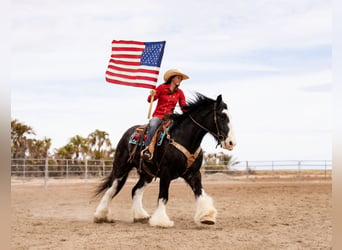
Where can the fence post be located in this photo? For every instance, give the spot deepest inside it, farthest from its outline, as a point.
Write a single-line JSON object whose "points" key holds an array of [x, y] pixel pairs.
{"points": [[24, 170], [46, 172], [325, 169], [299, 176], [86, 171], [67, 169], [247, 168]]}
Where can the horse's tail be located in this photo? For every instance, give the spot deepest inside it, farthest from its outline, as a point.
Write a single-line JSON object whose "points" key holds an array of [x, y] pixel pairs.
{"points": [[104, 185], [107, 182]]}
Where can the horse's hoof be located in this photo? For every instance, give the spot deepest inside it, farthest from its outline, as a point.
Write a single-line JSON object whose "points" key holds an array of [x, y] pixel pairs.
{"points": [[109, 220], [103, 220], [162, 224], [208, 222], [141, 220], [98, 220]]}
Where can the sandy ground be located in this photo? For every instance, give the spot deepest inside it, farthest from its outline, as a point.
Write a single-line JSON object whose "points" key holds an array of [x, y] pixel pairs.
{"points": [[258, 215]]}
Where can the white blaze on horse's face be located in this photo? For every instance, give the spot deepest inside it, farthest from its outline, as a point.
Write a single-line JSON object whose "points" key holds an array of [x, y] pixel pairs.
{"points": [[230, 142]]}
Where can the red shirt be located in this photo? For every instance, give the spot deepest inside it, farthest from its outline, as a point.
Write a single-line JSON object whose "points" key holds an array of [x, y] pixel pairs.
{"points": [[166, 102]]}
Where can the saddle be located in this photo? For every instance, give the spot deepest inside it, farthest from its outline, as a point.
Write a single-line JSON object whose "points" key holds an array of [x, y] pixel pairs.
{"points": [[139, 136]]}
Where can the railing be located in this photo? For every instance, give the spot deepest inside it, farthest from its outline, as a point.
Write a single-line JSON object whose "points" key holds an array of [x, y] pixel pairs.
{"points": [[38, 171], [34, 170], [296, 169]]}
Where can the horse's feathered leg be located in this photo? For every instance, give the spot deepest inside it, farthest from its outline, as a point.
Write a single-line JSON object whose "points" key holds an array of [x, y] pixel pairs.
{"points": [[139, 213], [113, 183], [160, 217], [103, 212], [205, 210]]}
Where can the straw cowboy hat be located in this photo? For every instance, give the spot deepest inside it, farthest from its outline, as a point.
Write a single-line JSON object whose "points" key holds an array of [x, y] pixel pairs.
{"points": [[174, 72]]}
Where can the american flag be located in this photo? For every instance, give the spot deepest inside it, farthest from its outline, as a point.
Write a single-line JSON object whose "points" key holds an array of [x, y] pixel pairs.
{"points": [[135, 63]]}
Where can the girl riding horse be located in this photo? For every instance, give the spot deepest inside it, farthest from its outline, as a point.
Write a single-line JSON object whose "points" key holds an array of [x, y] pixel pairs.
{"points": [[179, 155]]}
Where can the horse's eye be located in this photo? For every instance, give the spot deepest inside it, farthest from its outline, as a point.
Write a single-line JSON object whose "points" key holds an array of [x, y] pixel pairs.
{"points": [[223, 117]]}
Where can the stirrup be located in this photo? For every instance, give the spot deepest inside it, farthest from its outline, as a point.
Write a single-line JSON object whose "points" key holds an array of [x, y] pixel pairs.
{"points": [[145, 156]]}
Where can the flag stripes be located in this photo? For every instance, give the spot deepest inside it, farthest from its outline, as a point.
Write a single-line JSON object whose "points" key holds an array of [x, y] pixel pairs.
{"points": [[127, 67]]}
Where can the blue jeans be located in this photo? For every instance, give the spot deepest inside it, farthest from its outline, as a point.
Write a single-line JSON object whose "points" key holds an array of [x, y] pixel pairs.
{"points": [[153, 125]]}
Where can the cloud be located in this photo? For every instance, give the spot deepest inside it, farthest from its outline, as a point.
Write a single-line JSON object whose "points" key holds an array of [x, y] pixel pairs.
{"points": [[269, 59], [64, 39]]}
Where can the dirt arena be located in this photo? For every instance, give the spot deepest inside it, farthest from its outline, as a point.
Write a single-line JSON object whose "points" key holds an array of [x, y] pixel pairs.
{"points": [[251, 215]]}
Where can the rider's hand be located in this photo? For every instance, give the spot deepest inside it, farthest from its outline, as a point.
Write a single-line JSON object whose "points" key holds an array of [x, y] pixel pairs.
{"points": [[152, 92]]}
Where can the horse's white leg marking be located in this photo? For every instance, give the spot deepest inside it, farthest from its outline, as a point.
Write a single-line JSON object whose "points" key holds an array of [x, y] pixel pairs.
{"points": [[205, 210], [103, 212], [139, 213], [159, 217]]}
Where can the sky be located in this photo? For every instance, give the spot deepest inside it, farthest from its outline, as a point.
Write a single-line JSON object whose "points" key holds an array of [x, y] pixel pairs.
{"points": [[270, 60]]}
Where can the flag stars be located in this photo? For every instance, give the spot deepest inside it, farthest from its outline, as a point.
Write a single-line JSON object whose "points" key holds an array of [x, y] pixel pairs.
{"points": [[151, 55]]}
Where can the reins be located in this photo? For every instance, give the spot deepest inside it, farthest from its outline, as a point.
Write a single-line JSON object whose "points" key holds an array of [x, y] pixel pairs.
{"points": [[217, 134]]}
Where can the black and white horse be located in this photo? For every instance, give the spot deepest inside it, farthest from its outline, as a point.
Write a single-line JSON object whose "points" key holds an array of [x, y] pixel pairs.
{"points": [[179, 155]]}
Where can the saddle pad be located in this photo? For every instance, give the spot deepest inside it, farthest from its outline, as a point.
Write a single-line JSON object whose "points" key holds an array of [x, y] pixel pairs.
{"points": [[134, 139]]}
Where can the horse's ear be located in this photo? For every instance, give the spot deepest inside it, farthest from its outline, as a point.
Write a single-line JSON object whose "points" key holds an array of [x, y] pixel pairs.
{"points": [[219, 99]]}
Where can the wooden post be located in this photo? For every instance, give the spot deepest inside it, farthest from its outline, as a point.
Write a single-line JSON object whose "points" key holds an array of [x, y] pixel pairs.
{"points": [[150, 108]]}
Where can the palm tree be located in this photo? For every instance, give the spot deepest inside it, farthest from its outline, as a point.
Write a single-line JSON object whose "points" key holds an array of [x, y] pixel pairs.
{"points": [[19, 144], [39, 148], [65, 152], [80, 146], [99, 144]]}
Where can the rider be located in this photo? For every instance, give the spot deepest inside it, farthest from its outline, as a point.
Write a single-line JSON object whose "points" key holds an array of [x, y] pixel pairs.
{"points": [[168, 95]]}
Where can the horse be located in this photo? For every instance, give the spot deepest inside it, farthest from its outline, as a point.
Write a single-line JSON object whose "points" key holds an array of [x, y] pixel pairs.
{"points": [[179, 155]]}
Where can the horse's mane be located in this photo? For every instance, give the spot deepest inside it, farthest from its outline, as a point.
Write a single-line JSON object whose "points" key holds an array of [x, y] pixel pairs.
{"points": [[197, 101]]}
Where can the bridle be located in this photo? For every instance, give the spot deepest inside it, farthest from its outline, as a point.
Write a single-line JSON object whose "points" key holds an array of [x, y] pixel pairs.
{"points": [[217, 135], [191, 158]]}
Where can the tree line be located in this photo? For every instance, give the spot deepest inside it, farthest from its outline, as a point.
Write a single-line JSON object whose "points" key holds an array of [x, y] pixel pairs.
{"points": [[97, 145]]}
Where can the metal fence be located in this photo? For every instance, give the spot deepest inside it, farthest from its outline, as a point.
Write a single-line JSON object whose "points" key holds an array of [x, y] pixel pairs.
{"points": [[48, 170], [273, 170], [44, 171]]}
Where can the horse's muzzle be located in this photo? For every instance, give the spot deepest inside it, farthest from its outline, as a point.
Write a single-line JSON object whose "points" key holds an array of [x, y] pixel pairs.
{"points": [[228, 144]]}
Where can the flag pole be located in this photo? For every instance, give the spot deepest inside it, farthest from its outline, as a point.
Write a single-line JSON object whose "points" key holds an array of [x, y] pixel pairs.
{"points": [[150, 108]]}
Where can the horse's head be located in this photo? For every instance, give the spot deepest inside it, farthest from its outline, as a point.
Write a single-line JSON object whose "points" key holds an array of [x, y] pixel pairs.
{"points": [[222, 119], [211, 116]]}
